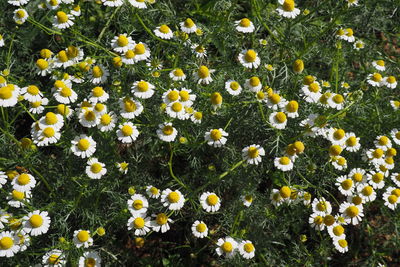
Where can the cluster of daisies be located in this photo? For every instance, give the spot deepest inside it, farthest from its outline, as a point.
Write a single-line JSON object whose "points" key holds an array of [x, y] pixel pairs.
{"points": [[173, 200]]}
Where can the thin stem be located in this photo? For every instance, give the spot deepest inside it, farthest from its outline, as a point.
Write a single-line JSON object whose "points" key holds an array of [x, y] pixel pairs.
{"points": [[171, 171]]}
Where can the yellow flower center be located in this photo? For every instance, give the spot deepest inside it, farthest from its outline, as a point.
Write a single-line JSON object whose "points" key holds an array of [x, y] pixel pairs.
{"points": [[72, 52], [396, 192], [129, 54], [227, 247], [198, 115], [351, 141], [338, 230], [216, 134], [168, 130], [254, 81], [42, 64], [96, 167], [342, 243], [392, 199], [357, 177], [90, 115], [83, 236], [292, 106], [173, 96], [275, 98], [83, 144], [318, 220], [284, 161], [6, 243], [383, 141], [391, 79], [216, 98], [24, 179], [98, 91], [122, 40], [234, 86], [352, 211], [62, 17], [65, 91], [288, 5], [137, 204], [36, 220], [341, 161], [378, 153], [376, 77], [322, 206], [173, 197], [200, 49], [329, 220], [143, 86], [250, 55], [398, 133], [338, 134], [129, 105], [203, 72], [338, 99], [280, 117], [20, 14], [212, 200], [90, 262], [377, 177], [138, 223], [248, 247], [127, 130], [17, 195], [285, 191], [201, 228], [380, 63], [48, 132], [253, 152], [245, 22], [356, 200], [189, 23], [161, 218], [54, 259], [178, 72], [6, 92], [314, 87], [184, 95], [33, 90], [140, 49], [298, 65], [308, 80], [347, 184], [248, 198], [105, 119], [97, 72], [176, 107], [154, 190], [164, 29]]}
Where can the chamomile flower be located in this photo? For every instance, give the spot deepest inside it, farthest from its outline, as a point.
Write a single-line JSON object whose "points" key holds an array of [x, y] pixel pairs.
{"points": [[160, 223], [24, 241], [391, 200], [186, 98], [395, 104], [140, 224], [249, 59], [311, 92], [375, 79], [283, 163], [203, 75], [177, 75], [247, 200], [130, 108], [65, 95], [383, 142], [98, 95], [138, 204], [188, 26], [199, 50], [274, 100], [17, 199], [196, 116], [95, 169], [142, 89], [336, 136], [18, 2], [46, 136], [138, 3], [65, 111], [127, 132], [82, 238], [3, 179], [107, 121], [252, 154], [216, 137], [62, 20], [174, 200], [76, 11], [36, 223], [164, 32], [253, 84], [336, 231], [376, 179], [83, 146], [358, 45], [390, 82], [352, 213], [341, 245], [122, 43], [199, 229], [177, 110], [395, 178], [112, 3], [339, 162], [9, 95], [278, 120], [357, 175], [128, 57], [336, 101], [210, 202], [352, 143], [348, 35], [216, 100], [244, 25], [226, 246], [321, 206], [291, 108], [367, 192], [376, 156], [38, 106], [31, 93], [9, 244], [90, 259], [142, 51], [1, 43], [20, 16], [152, 191], [233, 87], [246, 249], [99, 74], [5, 217], [345, 185], [316, 220], [23, 182], [379, 65], [288, 9], [166, 132], [88, 118]]}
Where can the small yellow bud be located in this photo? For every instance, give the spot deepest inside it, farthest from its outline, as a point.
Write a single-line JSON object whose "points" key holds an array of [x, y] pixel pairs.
{"points": [[131, 190], [101, 231]]}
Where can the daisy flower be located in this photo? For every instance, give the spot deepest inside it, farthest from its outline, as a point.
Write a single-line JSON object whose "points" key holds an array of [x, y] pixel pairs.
{"points": [[65, 95], [391, 200], [321, 206], [142, 51], [18, 2], [140, 224], [199, 50], [316, 220], [383, 142], [348, 35], [83, 146], [16, 198], [122, 167], [107, 122], [186, 98], [9, 244], [345, 185], [336, 231], [253, 84], [127, 132], [9, 95], [244, 25], [358, 175], [188, 26], [278, 120], [23, 182], [46, 136], [196, 116], [226, 246], [216, 100], [172, 95], [233, 87], [38, 106], [174, 200], [130, 108], [95, 169], [283, 163], [62, 20], [379, 65], [142, 89], [54, 258], [166, 132], [352, 142], [376, 156], [98, 95], [76, 11], [352, 213], [390, 82], [51, 120], [291, 108], [336, 136], [375, 79], [288, 9], [216, 137], [176, 110], [252, 154], [177, 75], [160, 223], [36, 223], [210, 202], [395, 104], [138, 3], [203, 75], [99, 74], [274, 101], [164, 32], [31, 93], [249, 59], [339, 162], [396, 178], [88, 118], [90, 259], [122, 43], [246, 249], [367, 192], [128, 58], [20, 16], [311, 92], [113, 3], [24, 241], [336, 101], [358, 45], [341, 245], [152, 192], [138, 204], [376, 179], [82, 238], [199, 229]]}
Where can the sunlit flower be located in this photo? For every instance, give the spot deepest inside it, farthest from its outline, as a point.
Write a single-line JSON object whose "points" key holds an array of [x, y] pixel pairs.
{"points": [[95, 169], [246, 249], [130, 108], [244, 25], [199, 229], [226, 246], [36, 223], [216, 137], [62, 20], [140, 224], [160, 223], [188, 26], [83, 146], [288, 9], [174, 200], [252, 154], [90, 259], [20, 16], [249, 59], [210, 202], [164, 32], [82, 238], [127, 132]]}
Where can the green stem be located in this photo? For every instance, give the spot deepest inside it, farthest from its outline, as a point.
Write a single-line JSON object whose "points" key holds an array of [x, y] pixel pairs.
{"points": [[171, 171], [150, 32], [42, 179], [108, 23]]}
